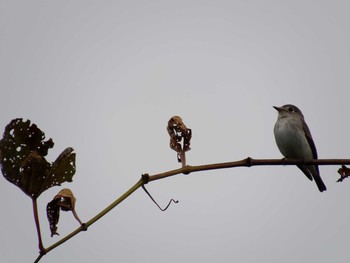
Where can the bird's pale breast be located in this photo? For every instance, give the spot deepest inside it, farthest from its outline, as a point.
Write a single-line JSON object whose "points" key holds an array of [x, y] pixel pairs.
{"points": [[291, 140]]}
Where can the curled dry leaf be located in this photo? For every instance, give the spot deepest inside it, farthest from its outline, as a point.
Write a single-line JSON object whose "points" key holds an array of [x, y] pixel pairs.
{"points": [[53, 216], [344, 173], [180, 136], [23, 163], [64, 201]]}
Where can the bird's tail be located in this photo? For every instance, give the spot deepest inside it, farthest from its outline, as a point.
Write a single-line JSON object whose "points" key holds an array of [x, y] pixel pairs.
{"points": [[320, 184], [312, 172]]}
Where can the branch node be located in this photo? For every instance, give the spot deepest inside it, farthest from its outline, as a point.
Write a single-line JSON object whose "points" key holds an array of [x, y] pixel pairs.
{"points": [[284, 160], [145, 178], [84, 227], [249, 161], [186, 169]]}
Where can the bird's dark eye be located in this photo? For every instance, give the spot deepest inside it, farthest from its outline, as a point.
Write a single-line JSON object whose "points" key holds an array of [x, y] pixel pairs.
{"points": [[290, 109]]}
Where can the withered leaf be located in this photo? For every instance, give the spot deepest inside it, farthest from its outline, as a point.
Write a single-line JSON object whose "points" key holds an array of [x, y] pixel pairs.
{"points": [[180, 136], [62, 170], [344, 173], [53, 215], [64, 201], [23, 163]]}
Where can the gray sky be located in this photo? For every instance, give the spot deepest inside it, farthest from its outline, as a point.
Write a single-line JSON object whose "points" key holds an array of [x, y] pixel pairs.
{"points": [[105, 77]]}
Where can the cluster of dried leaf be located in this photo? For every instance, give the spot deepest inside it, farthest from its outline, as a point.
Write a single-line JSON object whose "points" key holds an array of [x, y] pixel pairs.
{"points": [[180, 137], [23, 163]]}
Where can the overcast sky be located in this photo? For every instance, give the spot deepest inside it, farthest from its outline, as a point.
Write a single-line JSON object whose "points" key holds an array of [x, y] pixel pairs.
{"points": [[104, 77]]}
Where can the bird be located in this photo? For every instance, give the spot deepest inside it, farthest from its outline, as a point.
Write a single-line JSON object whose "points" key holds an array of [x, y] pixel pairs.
{"points": [[294, 140]]}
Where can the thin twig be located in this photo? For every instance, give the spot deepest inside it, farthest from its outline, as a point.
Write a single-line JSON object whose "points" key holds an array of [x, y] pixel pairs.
{"points": [[248, 162], [84, 226], [39, 257], [154, 201]]}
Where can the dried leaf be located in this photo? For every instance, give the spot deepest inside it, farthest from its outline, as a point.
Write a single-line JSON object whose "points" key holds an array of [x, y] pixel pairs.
{"points": [[53, 215], [64, 201], [22, 151], [180, 136], [31, 171], [62, 169], [344, 173]]}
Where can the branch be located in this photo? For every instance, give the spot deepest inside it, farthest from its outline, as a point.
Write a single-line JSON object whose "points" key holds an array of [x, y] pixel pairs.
{"points": [[248, 162], [85, 226]]}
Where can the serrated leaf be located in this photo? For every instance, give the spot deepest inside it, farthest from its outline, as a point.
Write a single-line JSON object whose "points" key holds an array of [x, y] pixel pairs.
{"points": [[23, 163]]}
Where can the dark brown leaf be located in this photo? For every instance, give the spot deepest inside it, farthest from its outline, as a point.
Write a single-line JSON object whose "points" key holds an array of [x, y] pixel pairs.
{"points": [[23, 163], [53, 215], [62, 170]]}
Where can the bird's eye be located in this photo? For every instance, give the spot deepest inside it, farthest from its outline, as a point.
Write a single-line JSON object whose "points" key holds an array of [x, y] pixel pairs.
{"points": [[290, 109]]}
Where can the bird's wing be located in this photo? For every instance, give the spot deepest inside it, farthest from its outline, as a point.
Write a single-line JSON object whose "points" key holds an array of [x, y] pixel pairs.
{"points": [[311, 143], [310, 140]]}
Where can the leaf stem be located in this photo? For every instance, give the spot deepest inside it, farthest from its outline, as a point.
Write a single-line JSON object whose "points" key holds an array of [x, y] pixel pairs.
{"points": [[37, 224]]}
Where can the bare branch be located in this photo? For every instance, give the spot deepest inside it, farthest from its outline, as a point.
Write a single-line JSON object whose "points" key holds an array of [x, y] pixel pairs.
{"points": [[248, 162]]}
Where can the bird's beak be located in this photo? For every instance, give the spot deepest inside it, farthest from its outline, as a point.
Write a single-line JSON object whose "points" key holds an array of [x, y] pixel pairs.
{"points": [[279, 109]]}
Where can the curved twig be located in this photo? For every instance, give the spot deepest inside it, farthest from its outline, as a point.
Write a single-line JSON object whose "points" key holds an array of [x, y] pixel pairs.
{"points": [[154, 201]]}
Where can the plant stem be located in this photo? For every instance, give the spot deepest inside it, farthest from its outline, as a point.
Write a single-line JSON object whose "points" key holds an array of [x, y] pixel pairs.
{"points": [[37, 224], [84, 226], [248, 162], [38, 258], [116, 202], [183, 158]]}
